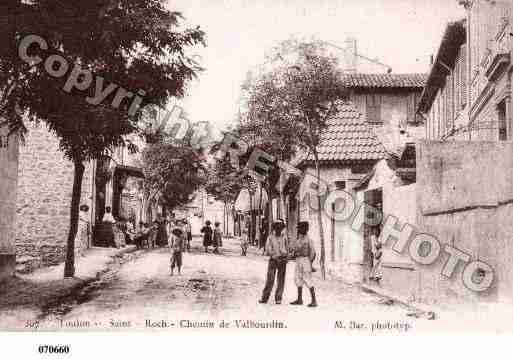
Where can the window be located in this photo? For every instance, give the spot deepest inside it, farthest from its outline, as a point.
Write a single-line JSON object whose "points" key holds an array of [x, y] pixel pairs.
{"points": [[411, 107], [373, 107], [340, 185], [463, 77], [503, 132]]}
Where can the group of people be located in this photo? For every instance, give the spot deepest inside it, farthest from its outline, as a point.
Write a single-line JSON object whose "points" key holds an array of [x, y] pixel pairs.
{"points": [[280, 251], [212, 237], [155, 234]]}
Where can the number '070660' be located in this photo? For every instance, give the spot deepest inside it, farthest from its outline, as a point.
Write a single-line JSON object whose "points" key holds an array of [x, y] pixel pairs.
{"points": [[53, 349]]}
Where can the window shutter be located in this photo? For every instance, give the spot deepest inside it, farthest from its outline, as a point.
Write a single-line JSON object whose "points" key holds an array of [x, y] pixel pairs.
{"points": [[450, 103], [378, 108], [373, 108], [410, 108], [463, 78], [370, 108]]}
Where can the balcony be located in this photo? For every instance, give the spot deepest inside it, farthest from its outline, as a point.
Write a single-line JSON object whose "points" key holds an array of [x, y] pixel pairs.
{"points": [[500, 54]]}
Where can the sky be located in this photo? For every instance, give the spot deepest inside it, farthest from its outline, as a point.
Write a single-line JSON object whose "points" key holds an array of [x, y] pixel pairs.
{"points": [[400, 33]]}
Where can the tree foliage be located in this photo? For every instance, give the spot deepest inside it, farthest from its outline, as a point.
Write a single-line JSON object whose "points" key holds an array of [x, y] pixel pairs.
{"points": [[132, 44], [224, 182], [173, 172], [289, 102]]}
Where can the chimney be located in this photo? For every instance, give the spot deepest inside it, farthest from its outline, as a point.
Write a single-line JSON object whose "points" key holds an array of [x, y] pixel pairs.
{"points": [[350, 56]]}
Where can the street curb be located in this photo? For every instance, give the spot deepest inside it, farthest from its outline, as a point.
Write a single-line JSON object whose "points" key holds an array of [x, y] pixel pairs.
{"points": [[119, 253], [82, 282], [419, 309], [125, 250]]}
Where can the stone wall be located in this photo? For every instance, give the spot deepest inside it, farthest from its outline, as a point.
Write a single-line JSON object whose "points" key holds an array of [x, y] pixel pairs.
{"points": [[465, 197], [8, 179], [44, 196]]}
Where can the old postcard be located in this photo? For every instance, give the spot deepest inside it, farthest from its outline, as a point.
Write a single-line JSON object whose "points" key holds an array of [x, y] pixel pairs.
{"points": [[340, 166]]}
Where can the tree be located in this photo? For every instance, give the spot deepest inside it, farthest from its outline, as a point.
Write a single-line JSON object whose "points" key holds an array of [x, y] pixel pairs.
{"points": [[224, 183], [290, 103], [174, 172], [263, 127], [117, 54]]}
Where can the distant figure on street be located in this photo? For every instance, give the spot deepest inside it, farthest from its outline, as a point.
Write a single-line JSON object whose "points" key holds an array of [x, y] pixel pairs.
{"points": [[207, 235], [244, 241], [84, 226], [161, 239], [217, 240], [264, 233], [109, 222], [130, 232], [145, 235], [188, 235], [170, 225], [154, 231], [376, 273], [177, 246], [107, 217], [304, 252], [276, 249], [141, 235]]}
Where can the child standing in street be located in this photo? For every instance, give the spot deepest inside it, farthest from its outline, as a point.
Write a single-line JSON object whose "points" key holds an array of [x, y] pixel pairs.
{"points": [[304, 253], [177, 246]]}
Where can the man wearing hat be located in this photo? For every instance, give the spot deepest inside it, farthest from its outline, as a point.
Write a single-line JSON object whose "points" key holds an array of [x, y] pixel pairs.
{"points": [[304, 252], [277, 250]]}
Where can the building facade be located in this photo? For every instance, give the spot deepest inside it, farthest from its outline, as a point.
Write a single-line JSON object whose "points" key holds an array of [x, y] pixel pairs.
{"points": [[468, 92], [388, 102], [8, 183], [44, 189], [45, 183], [348, 149], [377, 120]]}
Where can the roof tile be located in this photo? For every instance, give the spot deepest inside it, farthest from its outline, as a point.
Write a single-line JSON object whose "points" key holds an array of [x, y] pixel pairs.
{"points": [[384, 80], [348, 137]]}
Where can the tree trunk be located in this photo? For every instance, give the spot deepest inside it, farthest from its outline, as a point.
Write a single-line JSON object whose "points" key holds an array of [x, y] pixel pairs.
{"points": [[260, 216], [250, 229], [270, 219], [283, 211], [69, 267], [224, 217], [322, 257], [234, 215]]}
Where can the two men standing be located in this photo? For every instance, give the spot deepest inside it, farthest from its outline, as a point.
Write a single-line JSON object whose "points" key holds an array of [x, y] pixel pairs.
{"points": [[279, 251]]}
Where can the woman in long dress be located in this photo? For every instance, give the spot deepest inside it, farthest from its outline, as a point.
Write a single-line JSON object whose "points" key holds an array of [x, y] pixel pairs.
{"points": [[84, 229], [377, 258], [207, 235]]}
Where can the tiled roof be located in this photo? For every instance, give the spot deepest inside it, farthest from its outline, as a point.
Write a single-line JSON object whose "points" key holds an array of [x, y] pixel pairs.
{"points": [[384, 80], [347, 137]]}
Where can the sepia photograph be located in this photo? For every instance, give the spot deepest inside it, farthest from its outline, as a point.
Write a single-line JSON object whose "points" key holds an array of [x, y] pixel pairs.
{"points": [[237, 166]]}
